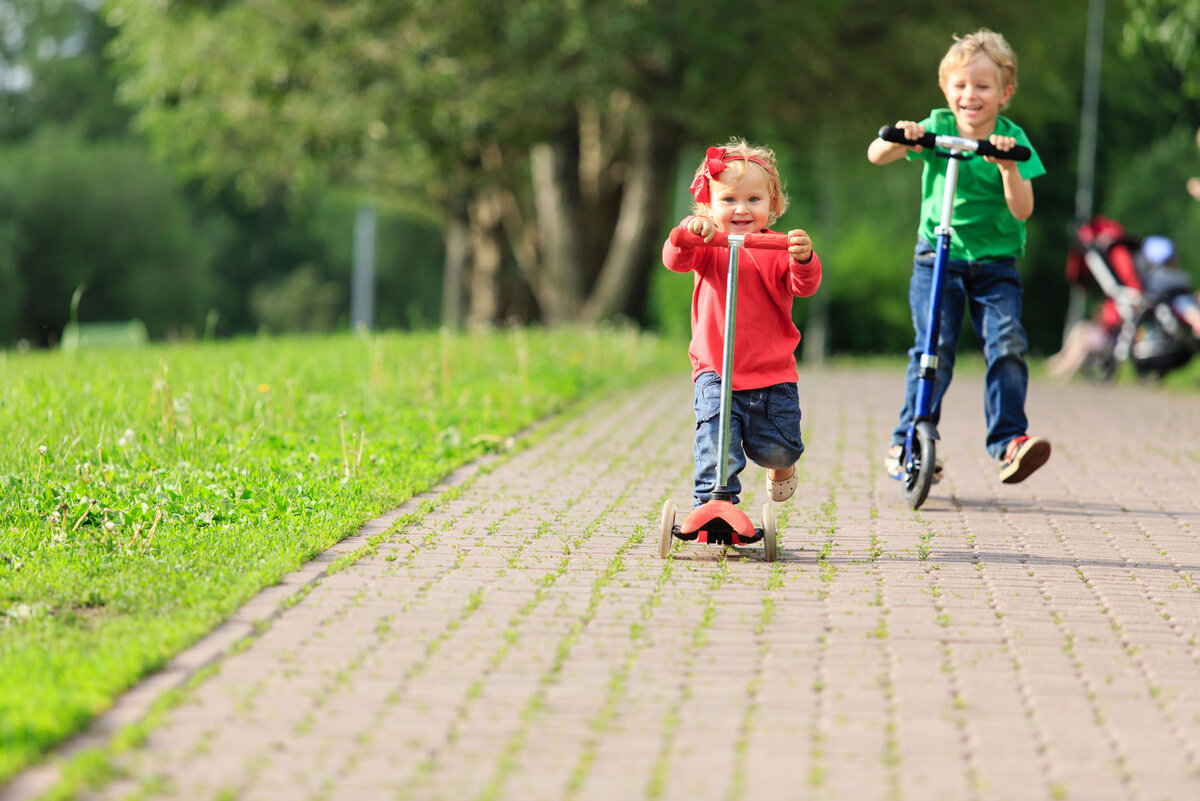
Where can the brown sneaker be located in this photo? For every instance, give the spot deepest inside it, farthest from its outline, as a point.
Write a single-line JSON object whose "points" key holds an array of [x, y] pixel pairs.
{"points": [[1022, 456]]}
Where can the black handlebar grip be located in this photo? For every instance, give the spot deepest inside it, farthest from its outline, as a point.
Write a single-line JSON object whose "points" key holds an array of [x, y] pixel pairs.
{"points": [[1015, 153], [890, 133]]}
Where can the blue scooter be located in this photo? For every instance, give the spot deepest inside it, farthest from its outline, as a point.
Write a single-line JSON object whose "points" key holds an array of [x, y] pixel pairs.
{"points": [[919, 460]]}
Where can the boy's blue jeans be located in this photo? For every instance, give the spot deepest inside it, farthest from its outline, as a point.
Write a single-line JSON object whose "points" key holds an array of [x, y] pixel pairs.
{"points": [[764, 425], [992, 293]]}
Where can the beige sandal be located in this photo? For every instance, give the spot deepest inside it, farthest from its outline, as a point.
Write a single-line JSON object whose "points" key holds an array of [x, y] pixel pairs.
{"points": [[782, 489]]}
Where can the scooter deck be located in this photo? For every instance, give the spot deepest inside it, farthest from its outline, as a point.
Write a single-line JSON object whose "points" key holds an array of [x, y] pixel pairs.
{"points": [[718, 523]]}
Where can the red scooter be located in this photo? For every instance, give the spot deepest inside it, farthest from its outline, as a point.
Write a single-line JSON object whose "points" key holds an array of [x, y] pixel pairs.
{"points": [[719, 521]]}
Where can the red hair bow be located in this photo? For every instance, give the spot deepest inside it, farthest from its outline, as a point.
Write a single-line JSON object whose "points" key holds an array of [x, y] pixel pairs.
{"points": [[714, 165], [715, 162]]}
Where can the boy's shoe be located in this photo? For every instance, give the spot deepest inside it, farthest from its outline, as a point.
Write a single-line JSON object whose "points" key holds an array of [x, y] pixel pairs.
{"points": [[1022, 456], [896, 470], [782, 489]]}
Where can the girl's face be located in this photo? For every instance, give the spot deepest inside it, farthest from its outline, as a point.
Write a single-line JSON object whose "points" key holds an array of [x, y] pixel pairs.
{"points": [[744, 208], [975, 95]]}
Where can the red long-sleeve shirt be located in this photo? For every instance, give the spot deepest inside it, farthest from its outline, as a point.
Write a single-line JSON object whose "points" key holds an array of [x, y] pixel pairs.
{"points": [[765, 341]]}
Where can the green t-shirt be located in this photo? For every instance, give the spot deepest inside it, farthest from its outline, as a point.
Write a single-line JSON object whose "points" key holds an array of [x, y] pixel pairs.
{"points": [[983, 227]]}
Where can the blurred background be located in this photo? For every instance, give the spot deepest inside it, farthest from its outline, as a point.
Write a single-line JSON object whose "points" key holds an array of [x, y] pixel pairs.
{"points": [[215, 168]]}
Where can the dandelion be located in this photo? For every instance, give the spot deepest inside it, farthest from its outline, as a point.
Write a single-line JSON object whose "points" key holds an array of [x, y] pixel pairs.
{"points": [[263, 389], [41, 460]]}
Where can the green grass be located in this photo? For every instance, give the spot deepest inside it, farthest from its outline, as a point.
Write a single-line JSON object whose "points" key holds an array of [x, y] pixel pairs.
{"points": [[146, 494]]}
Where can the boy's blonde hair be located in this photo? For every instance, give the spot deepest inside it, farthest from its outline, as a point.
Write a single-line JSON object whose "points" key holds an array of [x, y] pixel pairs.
{"points": [[989, 43], [738, 155]]}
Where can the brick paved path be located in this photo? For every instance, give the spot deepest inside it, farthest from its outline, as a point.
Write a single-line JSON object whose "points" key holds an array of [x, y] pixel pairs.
{"points": [[523, 640]]}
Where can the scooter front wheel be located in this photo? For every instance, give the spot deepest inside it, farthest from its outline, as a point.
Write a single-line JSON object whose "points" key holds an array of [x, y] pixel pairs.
{"points": [[924, 460], [768, 529], [666, 528]]}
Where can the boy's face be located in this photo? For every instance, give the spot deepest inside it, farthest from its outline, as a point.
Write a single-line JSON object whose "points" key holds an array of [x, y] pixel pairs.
{"points": [[975, 95], [744, 208]]}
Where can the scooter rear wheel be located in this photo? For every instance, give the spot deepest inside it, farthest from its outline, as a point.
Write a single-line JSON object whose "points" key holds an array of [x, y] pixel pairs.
{"points": [[924, 459], [768, 528], [666, 528]]}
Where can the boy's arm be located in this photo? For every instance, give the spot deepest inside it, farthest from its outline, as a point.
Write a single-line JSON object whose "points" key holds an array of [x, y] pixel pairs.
{"points": [[881, 152], [1018, 191]]}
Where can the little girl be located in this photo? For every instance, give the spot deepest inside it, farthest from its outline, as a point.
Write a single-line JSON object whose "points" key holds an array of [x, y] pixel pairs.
{"points": [[737, 190]]}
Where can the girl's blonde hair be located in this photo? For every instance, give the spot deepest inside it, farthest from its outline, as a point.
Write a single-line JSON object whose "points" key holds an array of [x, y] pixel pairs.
{"points": [[738, 153], [989, 43]]}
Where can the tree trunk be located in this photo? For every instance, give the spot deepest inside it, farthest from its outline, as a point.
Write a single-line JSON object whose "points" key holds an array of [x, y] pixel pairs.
{"points": [[485, 307], [458, 253], [555, 168], [633, 249]]}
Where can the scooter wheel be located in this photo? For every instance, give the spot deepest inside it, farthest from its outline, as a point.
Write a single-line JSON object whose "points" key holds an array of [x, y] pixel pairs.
{"points": [[918, 481], [768, 527], [666, 528]]}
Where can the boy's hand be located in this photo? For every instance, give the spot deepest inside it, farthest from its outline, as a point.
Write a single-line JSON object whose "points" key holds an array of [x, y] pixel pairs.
{"points": [[912, 130], [702, 227], [1004, 143], [800, 245]]}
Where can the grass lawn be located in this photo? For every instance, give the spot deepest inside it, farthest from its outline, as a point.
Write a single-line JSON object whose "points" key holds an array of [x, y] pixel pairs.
{"points": [[145, 494]]}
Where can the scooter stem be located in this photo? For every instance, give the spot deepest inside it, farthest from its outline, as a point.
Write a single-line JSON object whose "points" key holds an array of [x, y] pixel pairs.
{"points": [[933, 324], [721, 491]]}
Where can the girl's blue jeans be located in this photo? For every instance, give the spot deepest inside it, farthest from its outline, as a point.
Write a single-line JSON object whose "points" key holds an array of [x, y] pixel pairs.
{"points": [[764, 426], [991, 291]]}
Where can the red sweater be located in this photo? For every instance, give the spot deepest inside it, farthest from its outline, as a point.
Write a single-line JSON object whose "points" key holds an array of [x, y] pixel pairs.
{"points": [[765, 341]]}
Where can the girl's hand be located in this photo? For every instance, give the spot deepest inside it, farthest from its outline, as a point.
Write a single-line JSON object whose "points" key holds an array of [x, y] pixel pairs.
{"points": [[801, 246], [1001, 143], [703, 227]]}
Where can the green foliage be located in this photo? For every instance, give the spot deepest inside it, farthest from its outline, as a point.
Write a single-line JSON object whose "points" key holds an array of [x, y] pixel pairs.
{"points": [[1173, 26], [1147, 195], [48, 56], [146, 494], [101, 215], [300, 302]]}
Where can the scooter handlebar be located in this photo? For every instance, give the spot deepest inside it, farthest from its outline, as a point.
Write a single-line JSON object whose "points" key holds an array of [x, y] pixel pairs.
{"points": [[890, 133], [681, 237]]}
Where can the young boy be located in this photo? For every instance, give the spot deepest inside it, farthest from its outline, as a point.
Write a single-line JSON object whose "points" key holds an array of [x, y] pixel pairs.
{"points": [[994, 197], [737, 190]]}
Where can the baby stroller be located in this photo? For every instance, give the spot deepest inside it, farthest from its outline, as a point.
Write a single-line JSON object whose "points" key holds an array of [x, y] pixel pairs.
{"points": [[1144, 317]]}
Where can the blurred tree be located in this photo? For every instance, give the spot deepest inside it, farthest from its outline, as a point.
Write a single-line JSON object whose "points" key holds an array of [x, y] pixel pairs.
{"points": [[540, 133], [1173, 26], [63, 227], [50, 51], [542, 137]]}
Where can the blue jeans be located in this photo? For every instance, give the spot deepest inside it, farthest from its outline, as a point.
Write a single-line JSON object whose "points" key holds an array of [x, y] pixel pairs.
{"points": [[992, 293], [764, 426]]}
